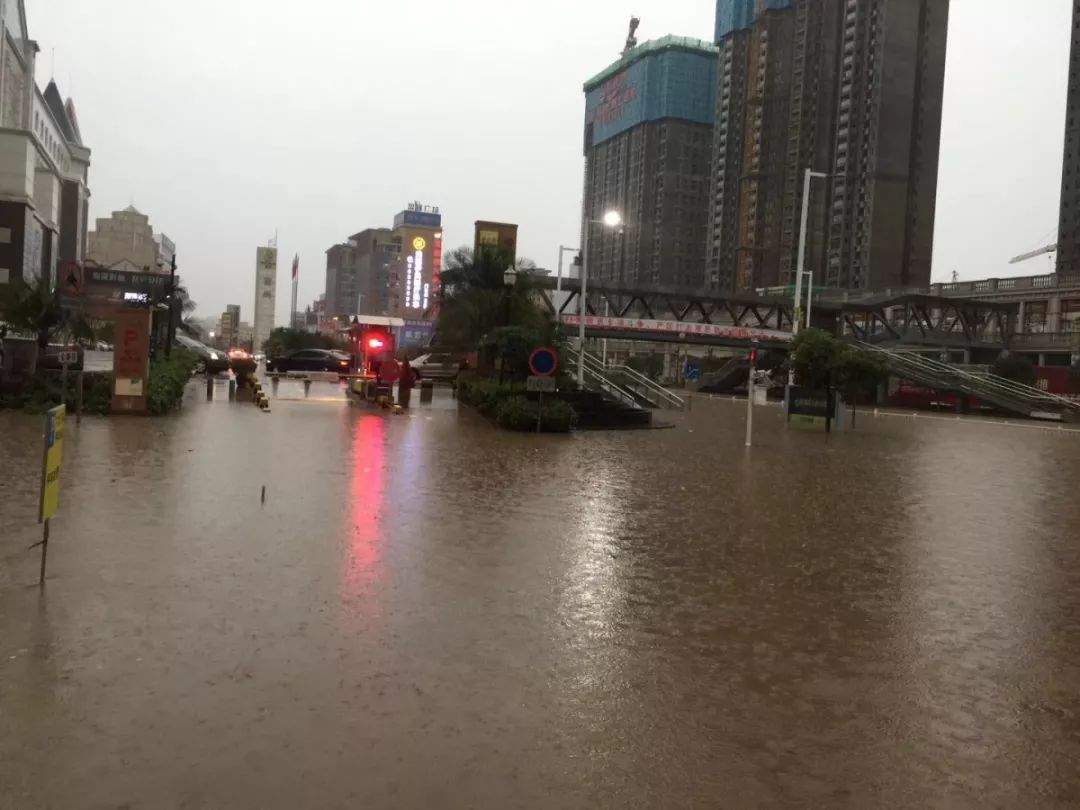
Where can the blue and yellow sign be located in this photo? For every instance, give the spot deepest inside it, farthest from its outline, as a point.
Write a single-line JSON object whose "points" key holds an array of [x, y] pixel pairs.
{"points": [[50, 471]]}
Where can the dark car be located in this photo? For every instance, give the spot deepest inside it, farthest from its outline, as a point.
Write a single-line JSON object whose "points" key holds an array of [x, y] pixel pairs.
{"points": [[213, 360], [311, 360]]}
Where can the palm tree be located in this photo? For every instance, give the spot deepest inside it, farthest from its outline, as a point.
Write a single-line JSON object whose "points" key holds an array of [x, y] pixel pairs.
{"points": [[31, 307], [475, 299]]}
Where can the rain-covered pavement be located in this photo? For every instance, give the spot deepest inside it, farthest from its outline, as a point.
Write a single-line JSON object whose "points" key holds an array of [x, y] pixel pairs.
{"points": [[428, 612]]}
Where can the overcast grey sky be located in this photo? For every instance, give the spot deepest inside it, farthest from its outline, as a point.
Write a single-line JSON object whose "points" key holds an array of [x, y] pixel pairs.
{"points": [[225, 119]]}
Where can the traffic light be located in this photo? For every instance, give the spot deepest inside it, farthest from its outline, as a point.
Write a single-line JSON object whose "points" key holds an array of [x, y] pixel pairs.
{"points": [[753, 357]]}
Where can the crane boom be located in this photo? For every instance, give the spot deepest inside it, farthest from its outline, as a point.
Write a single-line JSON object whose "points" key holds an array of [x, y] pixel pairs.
{"points": [[1025, 256]]}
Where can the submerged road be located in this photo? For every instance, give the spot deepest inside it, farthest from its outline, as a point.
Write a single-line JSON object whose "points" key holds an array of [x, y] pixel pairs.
{"points": [[428, 612]]}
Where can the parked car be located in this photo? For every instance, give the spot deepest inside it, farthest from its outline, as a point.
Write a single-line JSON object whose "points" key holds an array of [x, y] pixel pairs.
{"points": [[437, 366], [213, 360], [311, 360]]}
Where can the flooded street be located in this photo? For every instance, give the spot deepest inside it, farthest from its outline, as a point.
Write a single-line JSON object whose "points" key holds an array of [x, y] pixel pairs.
{"points": [[428, 612]]}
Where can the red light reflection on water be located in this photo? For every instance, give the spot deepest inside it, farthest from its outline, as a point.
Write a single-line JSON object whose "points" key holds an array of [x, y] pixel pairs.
{"points": [[366, 491]]}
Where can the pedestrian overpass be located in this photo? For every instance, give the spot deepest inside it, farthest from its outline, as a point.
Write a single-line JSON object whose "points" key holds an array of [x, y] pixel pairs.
{"points": [[905, 318]]}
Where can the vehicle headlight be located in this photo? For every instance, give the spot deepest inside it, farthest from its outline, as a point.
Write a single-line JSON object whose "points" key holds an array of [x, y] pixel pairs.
{"points": [[213, 355]]}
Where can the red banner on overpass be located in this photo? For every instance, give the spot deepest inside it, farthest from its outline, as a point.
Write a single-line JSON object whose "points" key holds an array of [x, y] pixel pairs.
{"points": [[676, 328]]}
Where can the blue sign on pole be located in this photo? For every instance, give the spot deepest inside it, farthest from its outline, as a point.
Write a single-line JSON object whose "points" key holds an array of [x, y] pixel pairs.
{"points": [[544, 362]]}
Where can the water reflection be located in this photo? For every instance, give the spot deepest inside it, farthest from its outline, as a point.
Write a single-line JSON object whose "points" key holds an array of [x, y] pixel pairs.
{"points": [[628, 619], [367, 501]]}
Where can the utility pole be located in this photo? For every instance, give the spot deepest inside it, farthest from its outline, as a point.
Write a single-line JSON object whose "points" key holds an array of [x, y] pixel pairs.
{"points": [[750, 395], [170, 333]]}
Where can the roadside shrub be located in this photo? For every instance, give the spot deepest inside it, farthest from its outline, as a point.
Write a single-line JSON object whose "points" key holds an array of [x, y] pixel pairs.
{"points": [[168, 378], [43, 392], [558, 417], [483, 394], [515, 413], [519, 413]]}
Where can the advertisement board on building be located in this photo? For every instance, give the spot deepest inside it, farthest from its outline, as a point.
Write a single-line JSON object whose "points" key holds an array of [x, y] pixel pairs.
{"points": [[422, 264], [416, 334], [420, 216], [666, 80], [496, 235]]}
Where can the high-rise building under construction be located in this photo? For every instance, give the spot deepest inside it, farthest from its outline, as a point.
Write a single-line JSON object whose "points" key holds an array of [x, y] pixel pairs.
{"points": [[1068, 256], [648, 138], [848, 88]]}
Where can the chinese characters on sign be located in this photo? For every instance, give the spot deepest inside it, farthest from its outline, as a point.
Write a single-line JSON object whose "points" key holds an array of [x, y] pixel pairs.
{"points": [[50, 472], [131, 360], [677, 327]]}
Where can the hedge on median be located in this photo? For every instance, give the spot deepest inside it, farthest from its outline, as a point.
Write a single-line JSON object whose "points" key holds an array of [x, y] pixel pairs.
{"points": [[506, 403]]}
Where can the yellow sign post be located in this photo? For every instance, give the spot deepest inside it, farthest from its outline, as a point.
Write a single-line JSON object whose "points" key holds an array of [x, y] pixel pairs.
{"points": [[51, 457]]}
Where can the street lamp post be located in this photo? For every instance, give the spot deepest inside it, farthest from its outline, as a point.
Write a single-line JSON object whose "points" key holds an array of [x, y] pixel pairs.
{"points": [[171, 330], [612, 219], [510, 278], [796, 320]]}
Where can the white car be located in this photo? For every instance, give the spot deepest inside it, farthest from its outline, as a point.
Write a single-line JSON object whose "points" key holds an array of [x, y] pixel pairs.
{"points": [[436, 366]]}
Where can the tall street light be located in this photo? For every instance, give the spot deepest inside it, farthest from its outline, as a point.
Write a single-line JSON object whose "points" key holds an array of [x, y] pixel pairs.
{"points": [[796, 320], [612, 219]]}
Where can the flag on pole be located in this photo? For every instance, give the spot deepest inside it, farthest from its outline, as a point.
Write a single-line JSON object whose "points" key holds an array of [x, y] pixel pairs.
{"points": [[295, 266]]}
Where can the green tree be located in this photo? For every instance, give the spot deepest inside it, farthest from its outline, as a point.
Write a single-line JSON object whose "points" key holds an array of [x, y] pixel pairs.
{"points": [[822, 361], [475, 299], [814, 355], [31, 307]]}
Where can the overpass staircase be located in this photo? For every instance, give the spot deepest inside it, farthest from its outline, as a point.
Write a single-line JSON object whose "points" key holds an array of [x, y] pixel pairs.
{"points": [[731, 375], [1007, 395], [628, 385]]}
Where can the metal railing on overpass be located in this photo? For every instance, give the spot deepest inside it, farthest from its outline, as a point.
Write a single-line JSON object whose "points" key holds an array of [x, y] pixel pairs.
{"points": [[1006, 394]]}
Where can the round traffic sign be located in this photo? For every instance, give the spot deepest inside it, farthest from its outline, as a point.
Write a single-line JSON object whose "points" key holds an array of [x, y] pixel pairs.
{"points": [[544, 362]]}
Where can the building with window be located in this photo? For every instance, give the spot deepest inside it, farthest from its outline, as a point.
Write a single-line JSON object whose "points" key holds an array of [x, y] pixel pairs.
{"points": [[391, 272], [849, 88], [648, 138], [358, 273], [125, 241], [44, 165], [1068, 255], [228, 330]]}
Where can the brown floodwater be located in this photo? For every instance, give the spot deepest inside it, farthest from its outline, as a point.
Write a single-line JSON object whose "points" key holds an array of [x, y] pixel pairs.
{"points": [[428, 612]]}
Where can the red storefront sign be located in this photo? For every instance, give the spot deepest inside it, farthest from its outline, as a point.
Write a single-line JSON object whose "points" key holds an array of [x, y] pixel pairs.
{"points": [[131, 360]]}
